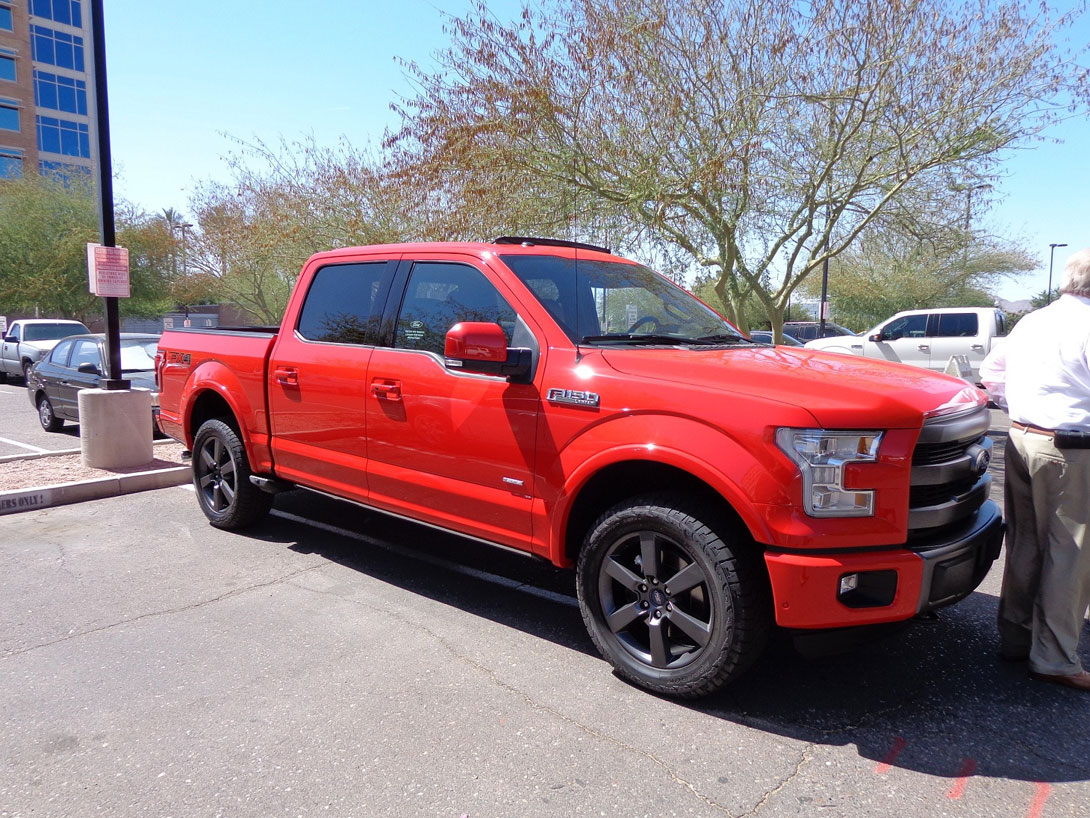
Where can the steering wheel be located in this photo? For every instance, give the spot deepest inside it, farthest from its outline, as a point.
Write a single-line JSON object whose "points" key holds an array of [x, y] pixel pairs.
{"points": [[647, 319]]}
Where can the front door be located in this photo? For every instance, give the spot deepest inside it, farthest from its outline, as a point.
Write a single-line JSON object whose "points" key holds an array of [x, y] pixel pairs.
{"points": [[451, 448], [905, 341]]}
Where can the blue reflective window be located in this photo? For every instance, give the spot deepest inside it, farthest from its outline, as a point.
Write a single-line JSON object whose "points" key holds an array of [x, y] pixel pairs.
{"points": [[7, 68], [11, 165], [56, 48], [64, 137], [9, 117], [68, 12], [60, 93], [6, 22]]}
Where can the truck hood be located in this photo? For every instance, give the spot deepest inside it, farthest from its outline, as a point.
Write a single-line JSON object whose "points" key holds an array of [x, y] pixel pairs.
{"points": [[839, 391], [41, 345]]}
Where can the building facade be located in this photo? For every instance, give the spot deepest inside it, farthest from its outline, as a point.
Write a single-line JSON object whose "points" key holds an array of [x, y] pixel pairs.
{"points": [[46, 87]]}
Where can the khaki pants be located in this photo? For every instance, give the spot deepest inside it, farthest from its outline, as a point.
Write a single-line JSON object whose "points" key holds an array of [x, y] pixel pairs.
{"points": [[1046, 582]]}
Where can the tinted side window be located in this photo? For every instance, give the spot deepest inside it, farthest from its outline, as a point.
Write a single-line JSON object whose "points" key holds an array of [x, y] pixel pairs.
{"points": [[86, 352], [59, 355], [957, 325], [345, 302], [908, 326], [440, 295]]}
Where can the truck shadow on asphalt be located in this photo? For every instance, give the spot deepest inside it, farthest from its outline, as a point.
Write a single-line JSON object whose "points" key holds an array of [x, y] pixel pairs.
{"points": [[930, 696]]}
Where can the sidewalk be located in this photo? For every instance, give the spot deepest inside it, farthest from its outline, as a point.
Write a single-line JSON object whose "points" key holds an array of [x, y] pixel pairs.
{"points": [[36, 481]]}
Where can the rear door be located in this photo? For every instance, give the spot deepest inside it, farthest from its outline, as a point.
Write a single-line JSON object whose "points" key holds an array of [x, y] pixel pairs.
{"points": [[452, 448], [956, 333], [318, 376]]}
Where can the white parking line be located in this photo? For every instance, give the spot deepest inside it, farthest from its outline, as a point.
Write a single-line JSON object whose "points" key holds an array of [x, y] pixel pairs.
{"points": [[23, 445]]}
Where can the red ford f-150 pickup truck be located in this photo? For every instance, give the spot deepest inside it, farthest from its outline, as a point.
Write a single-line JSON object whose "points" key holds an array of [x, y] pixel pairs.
{"points": [[553, 398]]}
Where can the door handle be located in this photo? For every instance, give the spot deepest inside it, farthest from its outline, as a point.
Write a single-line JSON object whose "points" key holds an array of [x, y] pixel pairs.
{"points": [[923, 347], [385, 389], [287, 375], [977, 347]]}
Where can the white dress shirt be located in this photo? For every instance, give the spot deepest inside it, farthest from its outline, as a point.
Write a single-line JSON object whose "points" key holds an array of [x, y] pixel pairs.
{"points": [[1042, 370]]}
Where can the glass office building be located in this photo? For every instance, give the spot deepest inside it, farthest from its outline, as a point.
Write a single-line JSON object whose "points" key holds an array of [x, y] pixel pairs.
{"points": [[46, 87]]}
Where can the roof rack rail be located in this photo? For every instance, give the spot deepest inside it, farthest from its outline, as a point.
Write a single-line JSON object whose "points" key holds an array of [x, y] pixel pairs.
{"points": [[528, 241]]}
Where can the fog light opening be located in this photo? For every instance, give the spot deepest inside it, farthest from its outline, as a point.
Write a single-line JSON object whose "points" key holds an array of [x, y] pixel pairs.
{"points": [[867, 589]]}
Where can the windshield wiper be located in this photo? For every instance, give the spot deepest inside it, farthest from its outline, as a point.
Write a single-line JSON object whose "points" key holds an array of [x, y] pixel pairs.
{"points": [[642, 338], [724, 338]]}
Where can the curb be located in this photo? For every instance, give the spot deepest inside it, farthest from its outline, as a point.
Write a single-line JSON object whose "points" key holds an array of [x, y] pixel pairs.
{"points": [[34, 499]]}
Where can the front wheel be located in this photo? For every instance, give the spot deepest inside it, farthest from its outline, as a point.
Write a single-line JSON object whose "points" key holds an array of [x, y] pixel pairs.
{"points": [[47, 417], [677, 605], [221, 476]]}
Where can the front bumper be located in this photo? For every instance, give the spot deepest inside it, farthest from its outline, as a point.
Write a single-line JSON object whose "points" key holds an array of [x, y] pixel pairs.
{"points": [[926, 575]]}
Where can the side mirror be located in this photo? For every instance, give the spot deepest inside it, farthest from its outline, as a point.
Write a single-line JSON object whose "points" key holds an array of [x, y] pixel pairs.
{"points": [[878, 336], [477, 346], [88, 369]]}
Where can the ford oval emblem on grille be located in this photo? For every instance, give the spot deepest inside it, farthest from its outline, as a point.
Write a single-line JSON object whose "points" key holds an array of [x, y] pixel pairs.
{"points": [[981, 458]]}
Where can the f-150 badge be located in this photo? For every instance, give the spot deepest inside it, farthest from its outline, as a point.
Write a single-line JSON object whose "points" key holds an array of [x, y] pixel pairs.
{"points": [[575, 397]]}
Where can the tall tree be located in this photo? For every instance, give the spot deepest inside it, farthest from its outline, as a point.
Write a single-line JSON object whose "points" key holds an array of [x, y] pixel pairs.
{"points": [[760, 137]]}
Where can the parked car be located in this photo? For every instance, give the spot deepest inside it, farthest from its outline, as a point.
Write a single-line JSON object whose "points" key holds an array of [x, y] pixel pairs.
{"points": [[29, 340], [77, 363], [809, 330], [928, 338], [765, 337]]}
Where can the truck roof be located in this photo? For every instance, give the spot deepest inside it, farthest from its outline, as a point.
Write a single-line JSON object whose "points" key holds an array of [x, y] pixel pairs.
{"points": [[504, 245]]}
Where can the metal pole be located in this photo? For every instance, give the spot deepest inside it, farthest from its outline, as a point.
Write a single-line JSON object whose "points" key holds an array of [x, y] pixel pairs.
{"points": [[1051, 253], [107, 231]]}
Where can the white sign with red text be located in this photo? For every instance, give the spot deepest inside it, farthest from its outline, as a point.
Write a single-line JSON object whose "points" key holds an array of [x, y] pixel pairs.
{"points": [[108, 271]]}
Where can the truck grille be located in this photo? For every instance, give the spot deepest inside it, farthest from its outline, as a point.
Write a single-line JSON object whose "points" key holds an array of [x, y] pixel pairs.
{"points": [[950, 479]]}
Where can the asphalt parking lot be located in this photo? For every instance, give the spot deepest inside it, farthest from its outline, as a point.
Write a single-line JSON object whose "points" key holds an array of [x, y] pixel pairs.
{"points": [[337, 662], [20, 432]]}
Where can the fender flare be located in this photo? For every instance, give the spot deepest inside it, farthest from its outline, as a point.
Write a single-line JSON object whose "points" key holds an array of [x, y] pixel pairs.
{"points": [[651, 438]]}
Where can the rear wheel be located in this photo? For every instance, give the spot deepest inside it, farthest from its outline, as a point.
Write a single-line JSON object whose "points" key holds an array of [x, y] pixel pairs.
{"points": [[676, 603], [49, 420], [221, 476]]}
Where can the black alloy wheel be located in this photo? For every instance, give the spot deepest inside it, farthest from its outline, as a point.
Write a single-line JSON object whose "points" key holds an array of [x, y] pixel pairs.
{"points": [[667, 601], [221, 476], [47, 417]]}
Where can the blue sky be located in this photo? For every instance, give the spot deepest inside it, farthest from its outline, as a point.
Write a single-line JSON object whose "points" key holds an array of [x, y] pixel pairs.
{"points": [[182, 75]]}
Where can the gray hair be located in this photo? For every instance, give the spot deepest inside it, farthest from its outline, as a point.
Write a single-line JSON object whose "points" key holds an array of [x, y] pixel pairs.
{"points": [[1076, 279]]}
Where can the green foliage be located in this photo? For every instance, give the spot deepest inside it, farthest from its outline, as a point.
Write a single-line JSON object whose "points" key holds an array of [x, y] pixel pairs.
{"points": [[886, 273], [45, 226], [758, 137]]}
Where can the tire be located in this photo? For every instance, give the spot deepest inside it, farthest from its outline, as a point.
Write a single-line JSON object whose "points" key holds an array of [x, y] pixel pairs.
{"points": [[688, 640], [47, 417], [221, 476], [26, 372]]}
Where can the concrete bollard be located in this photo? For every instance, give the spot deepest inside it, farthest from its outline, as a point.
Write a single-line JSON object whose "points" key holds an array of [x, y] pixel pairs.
{"points": [[115, 428]]}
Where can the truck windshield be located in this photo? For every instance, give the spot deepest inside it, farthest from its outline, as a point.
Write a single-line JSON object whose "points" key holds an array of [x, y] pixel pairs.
{"points": [[613, 302], [52, 332]]}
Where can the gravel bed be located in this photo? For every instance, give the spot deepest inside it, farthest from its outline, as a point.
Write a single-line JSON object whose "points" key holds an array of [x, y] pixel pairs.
{"points": [[68, 468]]}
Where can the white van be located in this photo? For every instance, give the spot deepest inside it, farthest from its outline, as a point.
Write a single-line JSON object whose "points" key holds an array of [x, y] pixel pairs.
{"points": [[926, 338]]}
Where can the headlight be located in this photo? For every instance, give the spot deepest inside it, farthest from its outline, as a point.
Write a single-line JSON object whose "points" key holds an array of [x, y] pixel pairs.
{"points": [[821, 457]]}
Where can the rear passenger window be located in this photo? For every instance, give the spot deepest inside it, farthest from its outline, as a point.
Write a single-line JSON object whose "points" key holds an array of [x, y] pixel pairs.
{"points": [[440, 295], [957, 325], [345, 302]]}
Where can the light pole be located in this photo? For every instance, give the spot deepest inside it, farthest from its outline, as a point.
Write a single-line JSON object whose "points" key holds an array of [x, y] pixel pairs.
{"points": [[1051, 253], [183, 226]]}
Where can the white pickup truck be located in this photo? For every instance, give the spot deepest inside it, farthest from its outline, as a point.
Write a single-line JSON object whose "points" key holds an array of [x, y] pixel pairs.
{"points": [[928, 338], [29, 340]]}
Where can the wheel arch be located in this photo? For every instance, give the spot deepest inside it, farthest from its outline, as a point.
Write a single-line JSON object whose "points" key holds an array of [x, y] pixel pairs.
{"points": [[624, 479]]}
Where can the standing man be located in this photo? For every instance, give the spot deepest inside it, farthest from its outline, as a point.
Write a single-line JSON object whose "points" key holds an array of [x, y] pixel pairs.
{"points": [[1042, 372]]}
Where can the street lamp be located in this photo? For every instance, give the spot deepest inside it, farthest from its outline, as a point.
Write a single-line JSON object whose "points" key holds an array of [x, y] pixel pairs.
{"points": [[1051, 253]]}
